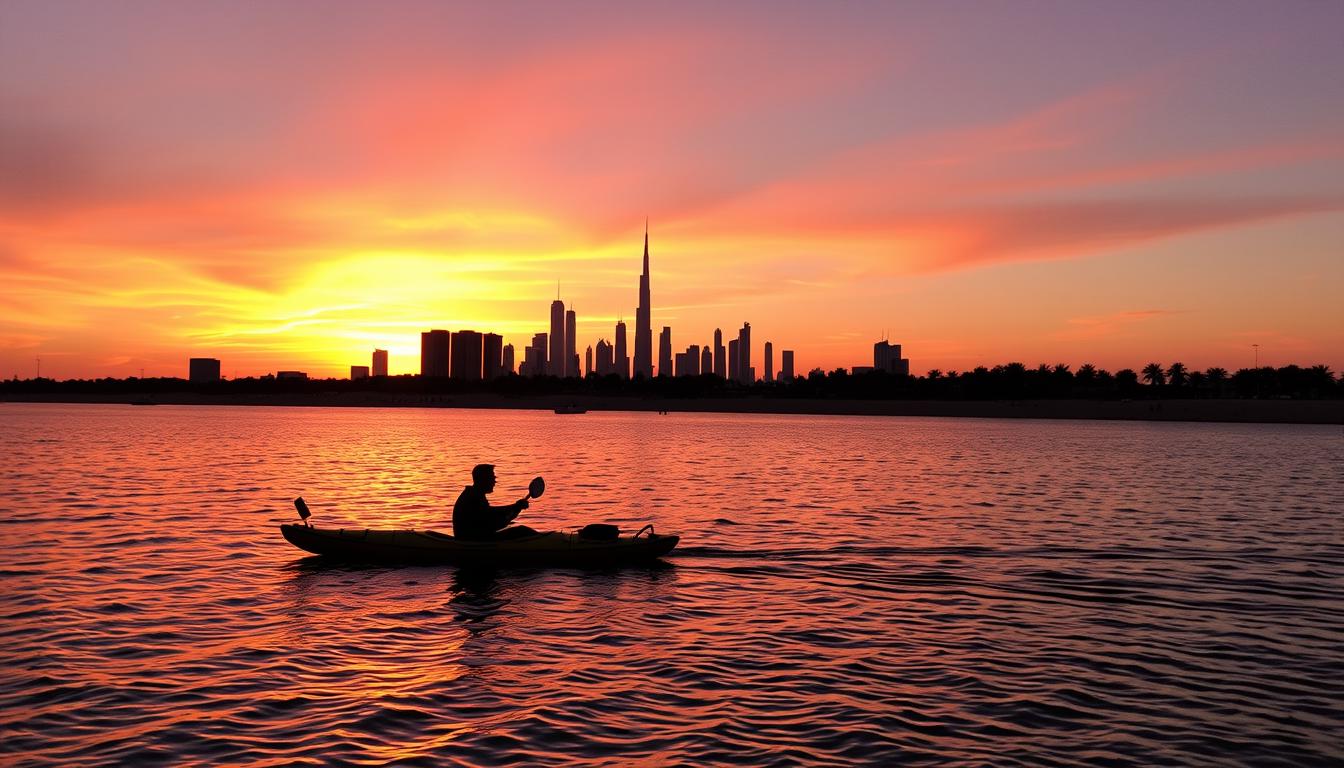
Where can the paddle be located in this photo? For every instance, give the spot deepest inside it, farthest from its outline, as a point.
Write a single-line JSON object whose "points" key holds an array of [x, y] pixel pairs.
{"points": [[535, 489], [304, 514]]}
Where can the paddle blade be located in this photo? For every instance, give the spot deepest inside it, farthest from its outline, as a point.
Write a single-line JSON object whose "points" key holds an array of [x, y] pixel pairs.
{"points": [[302, 506], [536, 487]]}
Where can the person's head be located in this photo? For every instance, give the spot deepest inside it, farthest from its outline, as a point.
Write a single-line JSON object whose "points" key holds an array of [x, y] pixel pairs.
{"points": [[483, 477]]}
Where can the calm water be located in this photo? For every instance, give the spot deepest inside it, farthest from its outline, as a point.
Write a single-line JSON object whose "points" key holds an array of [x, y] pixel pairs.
{"points": [[849, 590]]}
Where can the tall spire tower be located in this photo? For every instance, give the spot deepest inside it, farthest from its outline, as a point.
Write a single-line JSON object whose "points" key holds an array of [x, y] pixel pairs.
{"points": [[643, 318]]}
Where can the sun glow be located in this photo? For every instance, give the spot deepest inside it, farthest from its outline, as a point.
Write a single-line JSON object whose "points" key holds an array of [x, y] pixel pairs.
{"points": [[308, 198]]}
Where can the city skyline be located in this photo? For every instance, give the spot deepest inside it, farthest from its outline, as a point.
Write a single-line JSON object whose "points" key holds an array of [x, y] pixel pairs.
{"points": [[1116, 188], [555, 353]]}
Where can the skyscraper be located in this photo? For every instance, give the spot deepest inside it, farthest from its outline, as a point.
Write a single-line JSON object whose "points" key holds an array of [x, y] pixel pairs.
{"points": [[380, 362], [665, 352], [720, 356], [786, 365], [466, 356], [887, 357], [706, 360], [769, 362], [688, 362], [202, 369], [534, 357], [744, 372], [571, 345], [434, 354], [734, 359], [508, 359], [621, 359], [643, 320], [604, 364], [492, 348], [558, 354]]}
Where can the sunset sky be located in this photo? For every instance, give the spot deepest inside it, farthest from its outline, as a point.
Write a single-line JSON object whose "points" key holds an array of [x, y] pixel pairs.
{"points": [[290, 185]]}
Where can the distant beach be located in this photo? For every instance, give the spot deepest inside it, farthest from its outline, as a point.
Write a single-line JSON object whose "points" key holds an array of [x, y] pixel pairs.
{"points": [[1213, 410]]}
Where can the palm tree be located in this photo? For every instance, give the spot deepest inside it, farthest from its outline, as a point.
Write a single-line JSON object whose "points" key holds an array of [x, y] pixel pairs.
{"points": [[1177, 374], [1152, 373], [1087, 372], [934, 373], [1216, 375], [1321, 375]]}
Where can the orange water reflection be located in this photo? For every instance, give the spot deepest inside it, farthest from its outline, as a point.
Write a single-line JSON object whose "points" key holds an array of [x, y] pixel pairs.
{"points": [[846, 589]]}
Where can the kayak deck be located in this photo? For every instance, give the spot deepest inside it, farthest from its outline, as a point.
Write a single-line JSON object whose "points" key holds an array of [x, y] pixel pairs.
{"points": [[410, 546]]}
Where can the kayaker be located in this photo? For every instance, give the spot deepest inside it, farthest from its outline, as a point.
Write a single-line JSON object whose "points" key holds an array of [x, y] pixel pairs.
{"points": [[475, 520]]}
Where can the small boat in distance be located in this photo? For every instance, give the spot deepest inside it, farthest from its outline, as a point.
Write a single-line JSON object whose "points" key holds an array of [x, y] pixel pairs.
{"points": [[570, 409]]}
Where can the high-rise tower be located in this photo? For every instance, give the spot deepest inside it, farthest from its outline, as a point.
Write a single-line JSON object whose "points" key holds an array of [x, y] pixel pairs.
{"points": [[571, 345], [558, 358], [665, 352], [720, 355], [621, 360], [643, 318], [744, 371]]}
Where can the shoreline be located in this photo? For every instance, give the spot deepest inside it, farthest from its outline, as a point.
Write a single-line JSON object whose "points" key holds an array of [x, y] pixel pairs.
{"points": [[1223, 410]]}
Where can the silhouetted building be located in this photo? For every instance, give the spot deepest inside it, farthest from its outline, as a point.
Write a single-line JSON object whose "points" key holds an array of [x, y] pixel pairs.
{"points": [[467, 356], [605, 364], [734, 359], [688, 362], [887, 357], [434, 354], [706, 360], [720, 356], [744, 368], [786, 365], [558, 356], [300, 375], [620, 358], [588, 367], [508, 359], [665, 352], [859, 370], [571, 345], [769, 361], [492, 356], [202, 370], [644, 320], [534, 357], [359, 372], [379, 362]]}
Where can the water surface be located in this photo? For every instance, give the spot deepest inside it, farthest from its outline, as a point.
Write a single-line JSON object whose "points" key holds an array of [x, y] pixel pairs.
{"points": [[848, 590]]}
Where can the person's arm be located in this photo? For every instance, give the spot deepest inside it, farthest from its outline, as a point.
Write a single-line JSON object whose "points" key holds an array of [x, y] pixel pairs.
{"points": [[503, 515]]}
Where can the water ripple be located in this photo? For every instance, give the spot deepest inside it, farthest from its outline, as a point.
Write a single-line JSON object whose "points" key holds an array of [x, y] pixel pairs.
{"points": [[850, 590]]}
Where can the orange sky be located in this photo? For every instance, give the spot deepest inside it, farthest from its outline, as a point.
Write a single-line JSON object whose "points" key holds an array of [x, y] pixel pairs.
{"points": [[984, 184]]}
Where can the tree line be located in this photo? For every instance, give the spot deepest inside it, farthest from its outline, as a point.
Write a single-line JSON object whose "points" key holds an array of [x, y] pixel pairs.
{"points": [[1012, 381], [1015, 381]]}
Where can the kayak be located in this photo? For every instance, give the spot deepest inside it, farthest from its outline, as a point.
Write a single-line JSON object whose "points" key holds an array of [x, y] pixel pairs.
{"points": [[409, 546]]}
